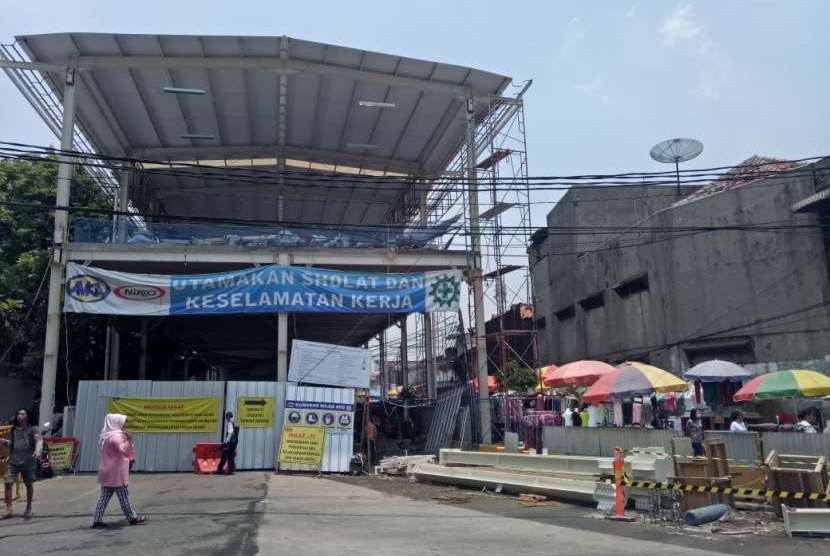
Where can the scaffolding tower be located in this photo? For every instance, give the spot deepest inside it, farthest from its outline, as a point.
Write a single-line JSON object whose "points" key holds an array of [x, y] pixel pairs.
{"points": [[505, 219]]}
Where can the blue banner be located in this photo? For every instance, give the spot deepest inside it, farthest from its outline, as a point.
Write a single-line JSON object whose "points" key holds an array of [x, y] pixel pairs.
{"points": [[267, 289]]}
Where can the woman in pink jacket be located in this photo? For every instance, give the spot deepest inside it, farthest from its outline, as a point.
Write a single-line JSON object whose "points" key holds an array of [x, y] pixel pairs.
{"points": [[114, 470]]}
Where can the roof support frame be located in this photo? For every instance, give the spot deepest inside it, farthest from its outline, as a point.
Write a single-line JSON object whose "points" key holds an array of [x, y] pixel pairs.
{"points": [[172, 154]]}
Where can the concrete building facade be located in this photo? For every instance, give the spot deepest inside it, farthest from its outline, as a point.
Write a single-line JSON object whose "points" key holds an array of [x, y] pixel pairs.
{"points": [[736, 272]]}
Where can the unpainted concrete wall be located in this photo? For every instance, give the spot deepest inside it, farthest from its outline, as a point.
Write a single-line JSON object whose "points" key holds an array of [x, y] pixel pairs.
{"points": [[702, 284]]}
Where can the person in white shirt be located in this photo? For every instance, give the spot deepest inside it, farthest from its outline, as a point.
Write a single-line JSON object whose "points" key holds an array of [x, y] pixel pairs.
{"points": [[568, 416], [807, 421], [593, 415], [738, 424]]}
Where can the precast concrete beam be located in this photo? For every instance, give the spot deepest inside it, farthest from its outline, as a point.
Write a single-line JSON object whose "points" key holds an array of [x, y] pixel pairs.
{"points": [[571, 465], [514, 483]]}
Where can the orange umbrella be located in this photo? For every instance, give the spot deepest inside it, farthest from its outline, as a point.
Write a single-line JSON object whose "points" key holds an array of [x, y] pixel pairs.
{"points": [[577, 373]]}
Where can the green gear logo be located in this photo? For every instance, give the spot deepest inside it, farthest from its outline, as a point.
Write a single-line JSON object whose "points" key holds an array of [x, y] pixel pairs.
{"points": [[445, 290]]}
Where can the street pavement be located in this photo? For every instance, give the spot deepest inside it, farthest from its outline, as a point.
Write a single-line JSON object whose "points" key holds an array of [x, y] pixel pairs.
{"points": [[262, 513], [188, 514]]}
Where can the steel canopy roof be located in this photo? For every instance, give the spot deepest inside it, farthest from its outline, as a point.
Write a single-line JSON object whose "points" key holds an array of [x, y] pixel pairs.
{"points": [[315, 116]]}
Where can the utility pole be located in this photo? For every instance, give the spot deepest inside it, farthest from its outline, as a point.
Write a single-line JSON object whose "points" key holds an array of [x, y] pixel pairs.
{"points": [[475, 276], [51, 344]]}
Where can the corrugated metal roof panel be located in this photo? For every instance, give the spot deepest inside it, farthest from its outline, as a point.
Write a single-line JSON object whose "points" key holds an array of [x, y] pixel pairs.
{"points": [[240, 107]]}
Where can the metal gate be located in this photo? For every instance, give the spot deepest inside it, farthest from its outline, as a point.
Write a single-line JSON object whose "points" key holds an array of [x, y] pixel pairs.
{"points": [[257, 448]]}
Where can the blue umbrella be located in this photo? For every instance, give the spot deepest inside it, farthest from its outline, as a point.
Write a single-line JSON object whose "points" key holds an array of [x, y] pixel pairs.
{"points": [[717, 371]]}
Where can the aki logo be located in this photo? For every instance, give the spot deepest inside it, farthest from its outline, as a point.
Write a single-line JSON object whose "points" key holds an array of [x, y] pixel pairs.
{"points": [[445, 290], [87, 289]]}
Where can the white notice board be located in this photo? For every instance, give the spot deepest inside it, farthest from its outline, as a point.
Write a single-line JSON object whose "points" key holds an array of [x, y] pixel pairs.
{"points": [[329, 364]]}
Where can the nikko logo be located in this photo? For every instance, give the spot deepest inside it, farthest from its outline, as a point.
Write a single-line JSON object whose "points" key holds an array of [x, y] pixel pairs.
{"points": [[139, 293], [87, 289]]}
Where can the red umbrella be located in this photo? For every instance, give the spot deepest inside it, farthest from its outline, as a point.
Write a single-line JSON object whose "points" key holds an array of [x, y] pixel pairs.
{"points": [[578, 373], [546, 372], [491, 383]]}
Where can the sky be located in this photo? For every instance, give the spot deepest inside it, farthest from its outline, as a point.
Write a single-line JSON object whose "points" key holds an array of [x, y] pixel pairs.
{"points": [[610, 78]]}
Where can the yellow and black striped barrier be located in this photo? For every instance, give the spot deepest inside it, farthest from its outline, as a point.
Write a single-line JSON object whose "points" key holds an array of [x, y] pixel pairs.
{"points": [[738, 491]]}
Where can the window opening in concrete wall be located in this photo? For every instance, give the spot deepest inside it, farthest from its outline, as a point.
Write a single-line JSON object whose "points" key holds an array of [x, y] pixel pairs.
{"points": [[592, 302], [735, 350], [631, 286], [565, 313]]}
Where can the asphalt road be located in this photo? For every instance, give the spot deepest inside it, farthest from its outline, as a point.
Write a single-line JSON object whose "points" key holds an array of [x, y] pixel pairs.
{"points": [[263, 513], [188, 514]]}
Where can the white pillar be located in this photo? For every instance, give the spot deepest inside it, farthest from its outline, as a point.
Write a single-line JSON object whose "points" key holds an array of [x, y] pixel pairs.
{"points": [[282, 347], [476, 280], [282, 339], [51, 344]]}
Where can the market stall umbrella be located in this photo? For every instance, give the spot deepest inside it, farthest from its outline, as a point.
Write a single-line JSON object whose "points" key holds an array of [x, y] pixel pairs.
{"points": [[784, 384], [633, 379], [491, 383], [546, 372], [717, 371], [577, 373]]}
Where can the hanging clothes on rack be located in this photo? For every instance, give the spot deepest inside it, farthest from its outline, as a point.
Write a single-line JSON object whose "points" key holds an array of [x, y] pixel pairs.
{"points": [[618, 413], [647, 418]]}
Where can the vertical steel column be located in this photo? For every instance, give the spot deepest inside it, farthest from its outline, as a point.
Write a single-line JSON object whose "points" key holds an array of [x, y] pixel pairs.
{"points": [[51, 345], [405, 367], [123, 205], [281, 130], [429, 359], [476, 280], [384, 376], [142, 358], [115, 352]]}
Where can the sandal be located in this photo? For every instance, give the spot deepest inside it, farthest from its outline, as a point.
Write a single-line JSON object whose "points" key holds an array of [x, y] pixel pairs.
{"points": [[139, 520]]}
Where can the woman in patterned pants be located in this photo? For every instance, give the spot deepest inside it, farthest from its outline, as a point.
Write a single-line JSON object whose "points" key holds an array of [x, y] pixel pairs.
{"points": [[114, 470]]}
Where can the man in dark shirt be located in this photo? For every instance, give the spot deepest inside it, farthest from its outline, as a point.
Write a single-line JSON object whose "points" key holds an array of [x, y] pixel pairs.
{"points": [[22, 445], [229, 443]]}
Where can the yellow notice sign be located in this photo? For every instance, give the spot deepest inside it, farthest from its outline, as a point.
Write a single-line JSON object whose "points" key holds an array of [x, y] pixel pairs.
{"points": [[302, 444], [62, 452], [5, 432], [167, 414], [255, 411]]}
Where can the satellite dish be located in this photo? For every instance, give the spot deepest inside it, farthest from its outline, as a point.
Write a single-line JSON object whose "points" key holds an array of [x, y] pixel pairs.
{"points": [[676, 151]]}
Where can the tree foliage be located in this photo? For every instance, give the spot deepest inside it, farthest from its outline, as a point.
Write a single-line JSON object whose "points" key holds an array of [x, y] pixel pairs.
{"points": [[25, 243], [516, 377]]}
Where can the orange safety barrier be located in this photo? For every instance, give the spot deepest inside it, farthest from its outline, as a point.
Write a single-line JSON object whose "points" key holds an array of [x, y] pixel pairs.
{"points": [[206, 457]]}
